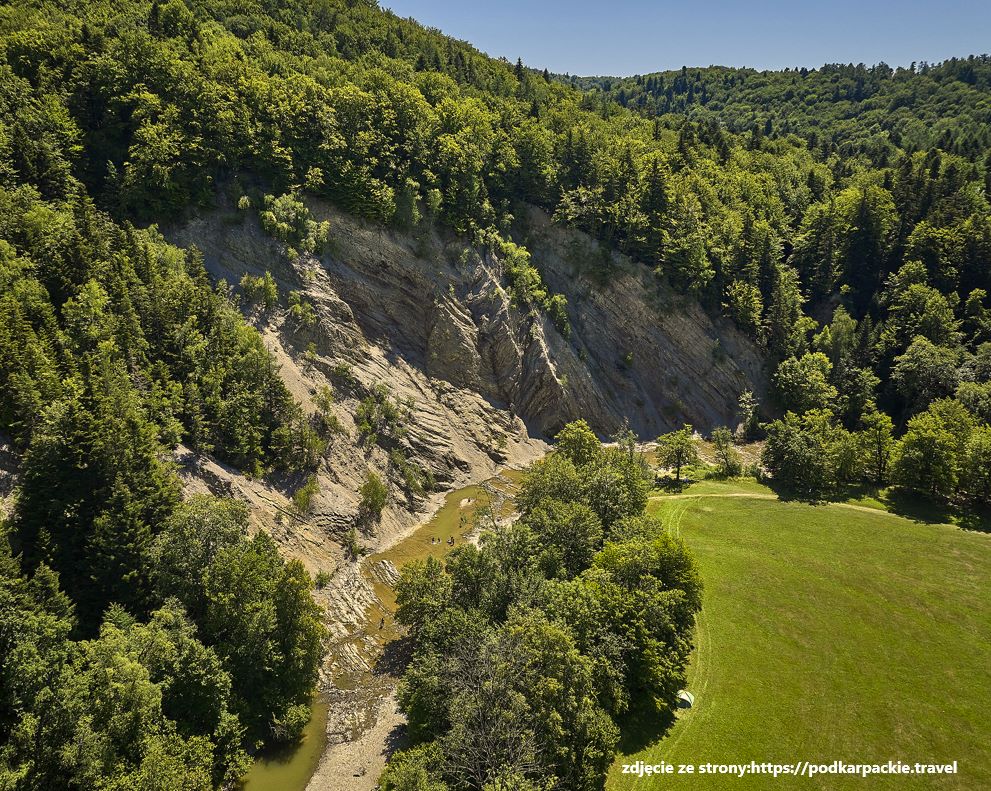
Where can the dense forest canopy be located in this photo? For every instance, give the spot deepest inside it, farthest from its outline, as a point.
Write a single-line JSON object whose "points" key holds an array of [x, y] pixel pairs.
{"points": [[852, 109], [838, 216], [151, 106], [887, 271], [531, 649]]}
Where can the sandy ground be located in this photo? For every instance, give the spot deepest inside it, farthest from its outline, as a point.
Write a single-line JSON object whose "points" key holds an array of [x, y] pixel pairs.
{"points": [[356, 765]]}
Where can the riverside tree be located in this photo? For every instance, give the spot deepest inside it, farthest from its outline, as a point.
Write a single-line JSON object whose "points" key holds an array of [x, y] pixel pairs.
{"points": [[678, 449], [729, 457]]}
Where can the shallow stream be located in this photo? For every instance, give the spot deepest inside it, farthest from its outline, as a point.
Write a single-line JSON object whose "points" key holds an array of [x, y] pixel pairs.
{"points": [[290, 768]]}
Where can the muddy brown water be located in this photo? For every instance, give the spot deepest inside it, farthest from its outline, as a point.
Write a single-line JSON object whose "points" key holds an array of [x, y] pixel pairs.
{"points": [[289, 767]]}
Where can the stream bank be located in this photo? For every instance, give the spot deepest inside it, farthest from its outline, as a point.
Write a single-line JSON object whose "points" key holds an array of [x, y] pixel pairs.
{"points": [[356, 722], [364, 725]]}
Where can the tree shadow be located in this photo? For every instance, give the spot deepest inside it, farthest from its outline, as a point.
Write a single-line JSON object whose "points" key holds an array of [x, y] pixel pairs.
{"points": [[397, 739], [918, 508], [668, 485], [922, 509], [860, 491], [396, 655], [789, 495], [927, 510], [978, 521], [641, 729]]}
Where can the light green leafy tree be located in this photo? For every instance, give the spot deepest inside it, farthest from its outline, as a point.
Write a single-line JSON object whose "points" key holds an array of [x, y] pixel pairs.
{"points": [[678, 449]]}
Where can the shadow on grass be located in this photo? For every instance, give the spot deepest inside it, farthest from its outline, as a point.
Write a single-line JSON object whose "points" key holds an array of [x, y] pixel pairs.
{"points": [[907, 504], [901, 502], [668, 485], [917, 507], [926, 510], [788, 495], [978, 521], [281, 753], [640, 730]]}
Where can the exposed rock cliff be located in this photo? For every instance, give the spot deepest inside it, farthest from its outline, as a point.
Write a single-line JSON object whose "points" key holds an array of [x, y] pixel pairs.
{"points": [[434, 306], [637, 349]]}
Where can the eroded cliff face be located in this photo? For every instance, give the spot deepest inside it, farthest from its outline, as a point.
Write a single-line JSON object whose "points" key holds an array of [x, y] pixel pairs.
{"points": [[384, 316], [638, 350], [430, 309], [484, 379]]}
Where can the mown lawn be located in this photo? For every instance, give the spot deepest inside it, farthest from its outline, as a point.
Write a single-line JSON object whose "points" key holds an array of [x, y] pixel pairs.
{"points": [[829, 633]]}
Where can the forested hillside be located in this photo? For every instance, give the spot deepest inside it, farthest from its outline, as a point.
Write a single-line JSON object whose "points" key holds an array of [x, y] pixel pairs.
{"points": [[851, 109], [141, 637], [872, 298], [839, 217]]}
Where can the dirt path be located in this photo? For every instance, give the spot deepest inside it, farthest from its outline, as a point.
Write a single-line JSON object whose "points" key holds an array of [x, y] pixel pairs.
{"points": [[749, 495]]}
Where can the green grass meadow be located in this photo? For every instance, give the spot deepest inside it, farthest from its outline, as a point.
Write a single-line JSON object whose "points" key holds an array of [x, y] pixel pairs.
{"points": [[828, 632]]}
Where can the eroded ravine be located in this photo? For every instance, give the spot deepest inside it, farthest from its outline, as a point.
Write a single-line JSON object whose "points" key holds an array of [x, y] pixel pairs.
{"points": [[356, 723]]}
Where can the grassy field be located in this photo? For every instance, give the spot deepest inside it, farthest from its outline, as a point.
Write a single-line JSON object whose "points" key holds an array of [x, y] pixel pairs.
{"points": [[831, 632]]}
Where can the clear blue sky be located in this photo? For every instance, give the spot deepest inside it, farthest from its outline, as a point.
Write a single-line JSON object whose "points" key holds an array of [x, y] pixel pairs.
{"points": [[623, 37]]}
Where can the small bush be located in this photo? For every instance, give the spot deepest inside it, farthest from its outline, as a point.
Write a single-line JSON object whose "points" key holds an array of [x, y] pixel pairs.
{"points": [[301, 311], [303, 497], [262, 289], [415, 480], [345, 374], [379, 417], [352, 546], [557, 311], [325, 422], [322, 579], [374, 494]]}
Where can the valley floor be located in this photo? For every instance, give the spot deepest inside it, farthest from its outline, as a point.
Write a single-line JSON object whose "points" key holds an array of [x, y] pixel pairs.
{"points": [[365, 725], [829, 632]]}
